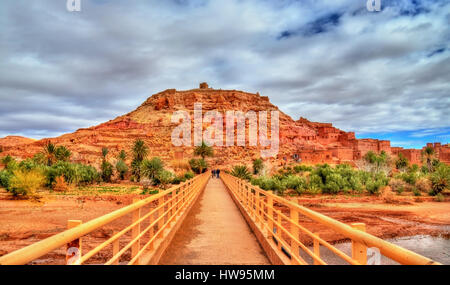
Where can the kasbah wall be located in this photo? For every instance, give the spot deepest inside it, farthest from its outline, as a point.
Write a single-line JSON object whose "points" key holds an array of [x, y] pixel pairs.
{"points": [[342, 147]]}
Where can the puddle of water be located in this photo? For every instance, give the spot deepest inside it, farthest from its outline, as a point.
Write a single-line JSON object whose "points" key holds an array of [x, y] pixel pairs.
{"points": [[406, 222], [436, 248]]}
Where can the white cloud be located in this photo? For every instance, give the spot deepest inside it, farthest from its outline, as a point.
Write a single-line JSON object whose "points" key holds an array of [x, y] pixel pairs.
{"points": [[365, 72]]}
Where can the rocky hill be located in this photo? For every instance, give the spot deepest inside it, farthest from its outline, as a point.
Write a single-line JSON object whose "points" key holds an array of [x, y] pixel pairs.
{"points": [[299, 139]]}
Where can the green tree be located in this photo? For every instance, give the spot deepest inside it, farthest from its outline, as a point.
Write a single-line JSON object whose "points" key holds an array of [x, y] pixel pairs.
{"points": [[428, 155], [258, 166], [122, 155], [62, 153], [140, 151], [204, 150], [377, 161], [7, 160], [440, 179], [151, 168], [105, 152], [402, 162], [107, 171], [122, 169], [50, 153], [198, 165], [241, 171]]}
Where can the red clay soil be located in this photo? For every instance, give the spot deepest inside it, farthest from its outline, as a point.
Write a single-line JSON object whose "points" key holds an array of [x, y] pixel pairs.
{"points": [[25, 222]]}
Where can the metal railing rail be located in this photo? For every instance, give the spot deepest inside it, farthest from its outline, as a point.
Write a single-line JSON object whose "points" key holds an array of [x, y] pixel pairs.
{"points": [[170, 204], [259, 205]]}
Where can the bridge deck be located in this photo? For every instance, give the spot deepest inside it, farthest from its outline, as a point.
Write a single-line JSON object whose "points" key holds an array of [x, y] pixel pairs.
{"points": [[214, 232]]}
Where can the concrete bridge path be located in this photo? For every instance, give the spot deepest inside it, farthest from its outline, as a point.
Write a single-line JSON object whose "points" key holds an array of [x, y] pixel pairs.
{"points": [[214, 233]]}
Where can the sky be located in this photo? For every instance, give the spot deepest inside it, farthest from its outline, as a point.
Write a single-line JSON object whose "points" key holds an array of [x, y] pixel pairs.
{"points": [[380, 74]]}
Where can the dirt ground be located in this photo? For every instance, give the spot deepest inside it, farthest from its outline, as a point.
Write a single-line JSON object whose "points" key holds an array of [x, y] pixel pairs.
{"points": [[23, 222]]}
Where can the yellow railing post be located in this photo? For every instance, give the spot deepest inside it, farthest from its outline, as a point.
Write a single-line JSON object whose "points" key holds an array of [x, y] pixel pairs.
{"points": [[256, 207], [116, 248], [316, 249], [136, 230], [73, 251], [270, 214], [359, 250], [279, 229], [247, 199], [295, 233], [161, 212]]}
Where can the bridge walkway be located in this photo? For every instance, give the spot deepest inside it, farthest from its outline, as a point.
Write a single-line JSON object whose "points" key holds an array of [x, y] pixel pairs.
{"points": [[214, 233]]}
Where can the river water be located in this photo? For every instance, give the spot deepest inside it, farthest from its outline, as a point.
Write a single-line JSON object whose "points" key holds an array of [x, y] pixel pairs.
{"points": [[436, 248]]}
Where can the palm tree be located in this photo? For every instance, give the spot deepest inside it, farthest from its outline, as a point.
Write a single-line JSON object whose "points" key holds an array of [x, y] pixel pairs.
{"points": [[241, 171], [140, 150], [151, 168], [204, 150], [258, 166], [122, 155], [50, 153], [105, 152], [62, 153], [428, 153]]}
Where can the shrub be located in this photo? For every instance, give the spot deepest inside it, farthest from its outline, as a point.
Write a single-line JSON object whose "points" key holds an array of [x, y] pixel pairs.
{"points": [[423, 185], [378, 181], [27, 164], [279, 186], [258, 166], [178, 179], [60, 184], [122, 169], [440, 179], [374, 186], [409, 177], [302, 168], [74, 173], [416, 192], [198, 165], [146, 183], [189, 175], [265, 183], [315, 183], [26, 182], [164, 178], [297, 183], [397, 185], [241, 171], [5, 177], [439, 198], [86, 174]]}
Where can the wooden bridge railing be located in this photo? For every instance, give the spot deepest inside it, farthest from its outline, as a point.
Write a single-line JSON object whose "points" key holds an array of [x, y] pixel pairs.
{"points": [[165, 210], [283, 229]]}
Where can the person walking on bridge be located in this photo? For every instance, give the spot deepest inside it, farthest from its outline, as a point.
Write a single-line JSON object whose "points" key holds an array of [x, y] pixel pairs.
{"points": [[218, 173], [213, 173]]}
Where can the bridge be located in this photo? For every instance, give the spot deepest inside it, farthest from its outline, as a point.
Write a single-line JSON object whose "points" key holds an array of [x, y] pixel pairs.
{"points": [[212, 221]]}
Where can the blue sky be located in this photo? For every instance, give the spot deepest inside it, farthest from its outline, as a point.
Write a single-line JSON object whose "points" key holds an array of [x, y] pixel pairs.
{"points": [[383, 75]]}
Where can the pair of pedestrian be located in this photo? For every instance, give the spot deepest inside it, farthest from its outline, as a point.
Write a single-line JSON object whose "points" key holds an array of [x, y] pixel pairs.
{"points": [[215, 173]]}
